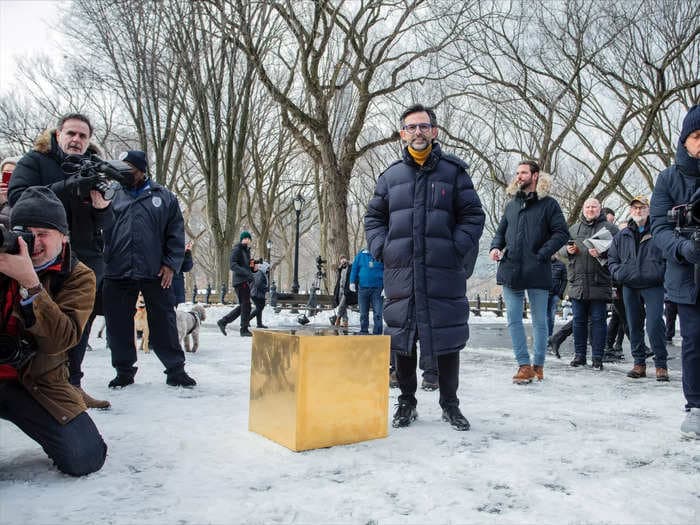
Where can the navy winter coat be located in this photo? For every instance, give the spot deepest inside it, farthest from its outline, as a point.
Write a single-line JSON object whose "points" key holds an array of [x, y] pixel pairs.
{"points": [[424, 224], [634, 259], [679, 184], [531, 230], [148, 232]]}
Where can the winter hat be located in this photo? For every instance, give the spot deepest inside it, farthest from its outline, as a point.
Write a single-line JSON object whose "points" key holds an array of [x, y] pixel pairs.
{"points": [[245, 234], [39, 207], [691, 123], [136, 158], [8, 160]]}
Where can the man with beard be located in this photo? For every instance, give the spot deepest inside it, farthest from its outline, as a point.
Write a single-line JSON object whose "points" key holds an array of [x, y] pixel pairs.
{"points": [[531, 230], [637, 264], [424, 222], [678, 185], [55, 156]]}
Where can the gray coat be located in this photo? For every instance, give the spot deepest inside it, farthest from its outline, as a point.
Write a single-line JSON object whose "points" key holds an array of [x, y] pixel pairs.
{"points": [[424, 224], [588, 279]]}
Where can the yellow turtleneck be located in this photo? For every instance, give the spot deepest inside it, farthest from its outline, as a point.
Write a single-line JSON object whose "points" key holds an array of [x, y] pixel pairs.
{"points": [[420, 156]]}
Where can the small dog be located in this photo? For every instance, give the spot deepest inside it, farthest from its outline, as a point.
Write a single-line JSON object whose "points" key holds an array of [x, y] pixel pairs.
{"points": [[188, 324], [141, 324]]}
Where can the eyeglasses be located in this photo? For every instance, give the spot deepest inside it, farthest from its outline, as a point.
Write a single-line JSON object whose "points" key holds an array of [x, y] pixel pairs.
{"points": [[640, 207], [412, 128]]}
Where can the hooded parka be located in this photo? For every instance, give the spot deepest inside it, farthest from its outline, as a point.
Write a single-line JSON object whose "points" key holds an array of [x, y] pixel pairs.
{"points": [[424, 224]]}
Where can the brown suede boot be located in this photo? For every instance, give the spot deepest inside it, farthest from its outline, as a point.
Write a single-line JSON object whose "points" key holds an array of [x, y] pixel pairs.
{"points": [[662, 374], [637, 371], [524, 376], [91, 402], [539, 372]]}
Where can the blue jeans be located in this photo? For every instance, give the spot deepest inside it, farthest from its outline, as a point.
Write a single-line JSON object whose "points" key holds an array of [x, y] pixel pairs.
{"points": [[76, 448], [367, 297], [656, 328], [538, 310], [598, 313], [552, 304], [689, 316]]}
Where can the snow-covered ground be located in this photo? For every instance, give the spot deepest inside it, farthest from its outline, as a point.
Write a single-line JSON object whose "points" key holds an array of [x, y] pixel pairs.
{"points": [[582, 447]]}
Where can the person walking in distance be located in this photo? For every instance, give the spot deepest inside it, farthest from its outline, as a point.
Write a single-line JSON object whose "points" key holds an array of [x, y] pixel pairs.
{"points": [[242, 280]]}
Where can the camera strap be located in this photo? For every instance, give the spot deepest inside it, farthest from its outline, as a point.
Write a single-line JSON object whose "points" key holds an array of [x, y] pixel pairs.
{"points": [[9, 322]]}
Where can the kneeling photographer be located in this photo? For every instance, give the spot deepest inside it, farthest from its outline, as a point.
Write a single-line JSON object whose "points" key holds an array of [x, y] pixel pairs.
{"points": [[46, 296], [675, 226], [64, 160]]}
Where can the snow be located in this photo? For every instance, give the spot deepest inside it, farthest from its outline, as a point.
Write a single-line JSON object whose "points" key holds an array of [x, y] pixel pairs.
{"points": [[581, 447]]}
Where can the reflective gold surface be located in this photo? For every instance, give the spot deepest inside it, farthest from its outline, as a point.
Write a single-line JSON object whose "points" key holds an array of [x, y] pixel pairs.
{"points": [[311, 390]]}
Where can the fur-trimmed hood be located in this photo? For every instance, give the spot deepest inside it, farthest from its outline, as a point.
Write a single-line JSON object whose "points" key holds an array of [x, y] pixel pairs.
{"points": [[46, 143], [544, 183]]}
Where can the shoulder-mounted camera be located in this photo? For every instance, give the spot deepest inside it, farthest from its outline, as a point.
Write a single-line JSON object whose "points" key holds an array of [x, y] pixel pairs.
{"points": [[93, 173]]}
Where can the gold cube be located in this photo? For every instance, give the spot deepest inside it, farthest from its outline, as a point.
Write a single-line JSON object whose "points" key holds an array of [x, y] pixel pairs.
{"points": [[314, 388]]}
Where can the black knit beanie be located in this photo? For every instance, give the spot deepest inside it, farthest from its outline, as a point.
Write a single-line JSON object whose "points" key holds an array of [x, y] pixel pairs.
{"points": [[691, 123], [39, 207]]}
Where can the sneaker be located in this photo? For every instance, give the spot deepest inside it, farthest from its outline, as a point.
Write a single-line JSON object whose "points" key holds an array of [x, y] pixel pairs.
{"points": [[637, 371], [429, 386], [222, 326], [91, 402], [121, 381], [524, 375], [597, 364], [539, 372], [393, 380], [246, 333], [454, 417], [181, 379], [405, 415], [579, 360], [662, 374], [690, 427]]}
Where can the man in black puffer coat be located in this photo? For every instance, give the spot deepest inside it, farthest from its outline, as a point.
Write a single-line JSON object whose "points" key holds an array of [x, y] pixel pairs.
{"points": [[424, 222], [242, 281], [88, 213]]}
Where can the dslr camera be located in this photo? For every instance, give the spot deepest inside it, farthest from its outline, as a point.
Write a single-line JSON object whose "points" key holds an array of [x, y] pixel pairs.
{"points": [[15, 351], [9, 240], [686, 218], [93, 173]]}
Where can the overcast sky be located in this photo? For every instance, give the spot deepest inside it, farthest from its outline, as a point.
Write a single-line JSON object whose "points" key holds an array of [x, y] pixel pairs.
{"points": [[25, 29]]}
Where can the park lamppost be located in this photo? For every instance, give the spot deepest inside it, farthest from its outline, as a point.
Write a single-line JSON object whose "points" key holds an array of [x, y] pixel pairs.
{"points": [[298, 203], [268, 245]]}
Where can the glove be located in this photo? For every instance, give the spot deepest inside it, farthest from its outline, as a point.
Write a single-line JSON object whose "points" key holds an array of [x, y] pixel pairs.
{"points": [[353, 287], [689, 252]]}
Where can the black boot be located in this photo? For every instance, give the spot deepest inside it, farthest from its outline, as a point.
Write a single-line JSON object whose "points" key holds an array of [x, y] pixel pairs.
{"points": [[454, 417], [180, 379], [579, 360], [405, 415], [121, 381], [222, 325]]}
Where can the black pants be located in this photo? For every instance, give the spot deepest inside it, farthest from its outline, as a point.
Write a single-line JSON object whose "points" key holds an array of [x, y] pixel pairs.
{"points": [[77, 353], [119, 307], [670, 314], [258, 310], [448, 377], [77, 448]]}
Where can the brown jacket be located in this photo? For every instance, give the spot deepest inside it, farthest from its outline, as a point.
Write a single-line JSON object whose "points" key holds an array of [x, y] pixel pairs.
{"points": [[60, 316]]}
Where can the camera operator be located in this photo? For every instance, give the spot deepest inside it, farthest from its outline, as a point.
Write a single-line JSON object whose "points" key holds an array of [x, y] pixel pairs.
{"points": [[46, 297], [675, 186], [87, 217]]}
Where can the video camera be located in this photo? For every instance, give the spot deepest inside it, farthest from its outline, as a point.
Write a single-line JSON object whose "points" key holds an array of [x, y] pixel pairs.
{"points": [[96, 174], [9, 240], [686, 218]]}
